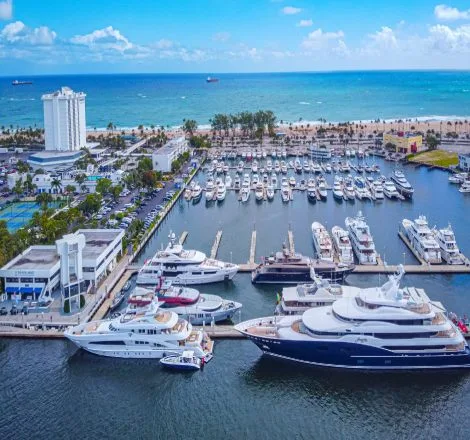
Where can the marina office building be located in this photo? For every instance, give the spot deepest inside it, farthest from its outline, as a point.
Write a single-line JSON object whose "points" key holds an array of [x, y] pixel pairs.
{"points": [[163, 158], [77, 263], [464, 161], [407, 143]]}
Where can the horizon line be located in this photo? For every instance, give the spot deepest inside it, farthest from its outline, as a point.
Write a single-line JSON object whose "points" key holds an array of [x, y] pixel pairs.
{"points": [[240, 73]]}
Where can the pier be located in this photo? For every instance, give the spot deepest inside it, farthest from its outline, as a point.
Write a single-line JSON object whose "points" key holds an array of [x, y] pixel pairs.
{"points": [[290, 239], [251, 260], [183, 237], [215, 246]]}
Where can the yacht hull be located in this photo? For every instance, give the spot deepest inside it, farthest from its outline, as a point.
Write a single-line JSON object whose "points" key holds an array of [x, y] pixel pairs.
{"points": [[358, 356], [187, 279]]}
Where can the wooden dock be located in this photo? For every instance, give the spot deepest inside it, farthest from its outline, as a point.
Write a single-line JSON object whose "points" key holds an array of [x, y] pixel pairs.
{"points": [[183, 237], [215, 246], [290, 239], [252, 248]]}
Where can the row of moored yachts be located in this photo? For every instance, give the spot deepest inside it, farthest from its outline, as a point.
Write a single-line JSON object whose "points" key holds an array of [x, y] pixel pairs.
{"points": [[462, 179]]}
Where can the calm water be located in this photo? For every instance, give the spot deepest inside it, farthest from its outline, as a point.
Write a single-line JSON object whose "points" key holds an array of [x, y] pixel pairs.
{"points": [[130, 100], [51, 390]]}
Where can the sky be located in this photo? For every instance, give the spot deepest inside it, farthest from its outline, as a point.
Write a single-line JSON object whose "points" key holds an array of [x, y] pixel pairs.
{"points": [[214, 36]]}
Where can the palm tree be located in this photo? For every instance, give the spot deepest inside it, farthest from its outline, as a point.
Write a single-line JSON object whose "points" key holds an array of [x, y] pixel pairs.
{"points": [[56, 184]]}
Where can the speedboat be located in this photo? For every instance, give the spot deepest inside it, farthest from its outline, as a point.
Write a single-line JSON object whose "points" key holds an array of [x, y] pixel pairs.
{"points": [[403, 186], [322, 242], [376, 328], [361, 239], [342, 244], [245, 192], [450, 252], [184, 267], [465, 187], [270, 192], [292, 181], [117, 300], [458, 177], [338, 191], [185, 362], [422, 239], [150, 335], [259, 192]]}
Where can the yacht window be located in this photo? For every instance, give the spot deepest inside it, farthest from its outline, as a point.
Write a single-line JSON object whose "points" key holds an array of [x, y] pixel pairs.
{"points": [[107, 342]]}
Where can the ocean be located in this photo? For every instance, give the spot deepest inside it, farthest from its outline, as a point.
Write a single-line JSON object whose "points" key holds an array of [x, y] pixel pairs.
{"points": [[129, 100]]}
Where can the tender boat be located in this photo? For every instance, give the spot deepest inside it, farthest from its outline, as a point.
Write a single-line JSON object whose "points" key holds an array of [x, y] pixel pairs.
{"points": [[361, 239], [403, 186], [377, 328], [422, 239], [117, 300], [185, 362], [322, 242]]}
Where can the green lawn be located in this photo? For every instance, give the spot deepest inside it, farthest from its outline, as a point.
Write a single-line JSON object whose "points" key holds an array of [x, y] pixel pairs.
{"points": [[437, 157]]}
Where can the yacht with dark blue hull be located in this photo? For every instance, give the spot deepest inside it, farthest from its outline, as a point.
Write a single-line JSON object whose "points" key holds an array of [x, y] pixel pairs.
{"points": [[381, 328]]}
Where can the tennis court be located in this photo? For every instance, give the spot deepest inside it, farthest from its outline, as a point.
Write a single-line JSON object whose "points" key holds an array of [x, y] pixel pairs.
{"points": [[19, 213]]}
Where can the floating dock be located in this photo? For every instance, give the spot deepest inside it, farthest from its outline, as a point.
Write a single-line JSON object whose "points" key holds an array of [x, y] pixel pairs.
{"points": [[251, 260], [215, 246]]}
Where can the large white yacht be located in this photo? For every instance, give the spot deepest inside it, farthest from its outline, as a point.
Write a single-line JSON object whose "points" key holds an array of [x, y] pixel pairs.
{"points": [[322, 242], [390, 190], [450, 252], [343, 245], [210, 190], [403, 186], [184, 267], [422, 239], [381, 328], [153, 334], [361, 239]]}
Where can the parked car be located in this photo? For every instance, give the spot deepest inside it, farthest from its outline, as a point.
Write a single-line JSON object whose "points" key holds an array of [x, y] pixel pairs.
{"points": [[3, 311], [14, 310]]}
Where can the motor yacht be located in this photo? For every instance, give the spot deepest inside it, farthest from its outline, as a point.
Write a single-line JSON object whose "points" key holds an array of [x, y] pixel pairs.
{"points": [[150, 335], [259, 192], [422, 239], [390, 190], [196, 192], [311, 190], [237, 184], [450, 252], [292, 181], [321, 187], [270, 192], [342, 244], [245, 192], [403, 186], [360, 187], [283, 168], [286, 267], [210, 190], [338, 190], [348, 189], [322, 242], [274, 180], [465, 187], [254, 167], [361, 239], [240, 167], [285, 192], [184, 267], [221, 192], [377, 190], [376, 328]]}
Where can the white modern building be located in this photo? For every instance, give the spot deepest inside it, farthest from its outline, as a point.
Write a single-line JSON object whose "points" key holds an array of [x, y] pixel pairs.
{"points": [[464, 161], [163, 157], [77, 263], [64, 120]]}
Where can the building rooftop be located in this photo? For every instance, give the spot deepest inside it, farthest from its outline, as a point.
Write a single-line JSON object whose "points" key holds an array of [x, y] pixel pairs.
{"points": [[35, 258], [64, 92], [97, 240], [171, 145], [54, 156]]}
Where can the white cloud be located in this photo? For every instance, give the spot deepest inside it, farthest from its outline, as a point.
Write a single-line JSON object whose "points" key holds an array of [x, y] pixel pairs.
{"points": [[448, 13], [318, 39], [6, 10], [445, 39], [221, 37], [290, 10], [106, 38], [305, 23], [18, 32], [163, 44], [384, 39]]}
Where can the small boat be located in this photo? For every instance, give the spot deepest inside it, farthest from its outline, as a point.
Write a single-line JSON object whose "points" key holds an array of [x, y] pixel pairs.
{"points": [[283, 168], [240, 167], [185, 362], [211, 79], [196, 193], [20, 83], [292, 181], [117, 301], [127, 286], [465, 187]]}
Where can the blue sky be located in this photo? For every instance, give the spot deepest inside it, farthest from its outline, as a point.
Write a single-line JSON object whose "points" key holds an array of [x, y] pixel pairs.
{"points": [[38, 37]]}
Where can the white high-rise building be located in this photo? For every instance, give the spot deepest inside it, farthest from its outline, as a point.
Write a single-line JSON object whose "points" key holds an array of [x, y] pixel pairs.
{"points": [[64, 120]]}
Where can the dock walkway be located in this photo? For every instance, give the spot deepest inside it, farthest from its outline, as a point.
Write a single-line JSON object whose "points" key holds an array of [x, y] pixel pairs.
{"points": [[215, 246]]}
